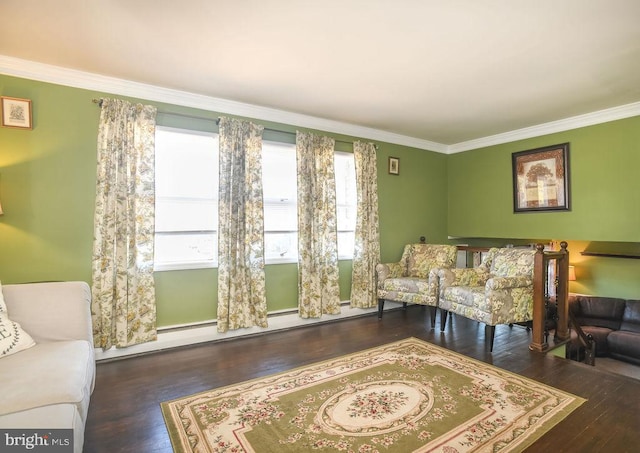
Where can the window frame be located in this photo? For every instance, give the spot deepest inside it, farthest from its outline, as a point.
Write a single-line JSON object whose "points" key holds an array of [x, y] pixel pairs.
{"points": [[192, 264], [213, 264], [289, 259], [341, 255]]}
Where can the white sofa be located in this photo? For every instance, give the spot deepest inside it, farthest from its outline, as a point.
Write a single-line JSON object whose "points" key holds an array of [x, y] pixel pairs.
{"points": [[48, 386]]}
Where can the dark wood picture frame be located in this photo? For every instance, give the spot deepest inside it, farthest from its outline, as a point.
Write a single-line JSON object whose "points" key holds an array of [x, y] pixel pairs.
{"points": [[541, 179], [394, 165]]}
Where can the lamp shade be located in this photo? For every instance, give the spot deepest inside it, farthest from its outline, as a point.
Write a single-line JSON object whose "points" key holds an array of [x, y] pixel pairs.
{"points": [[572, 273]]}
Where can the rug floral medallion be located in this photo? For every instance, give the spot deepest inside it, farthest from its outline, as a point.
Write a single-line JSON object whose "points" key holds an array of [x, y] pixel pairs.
{"points": [[407, 396]]}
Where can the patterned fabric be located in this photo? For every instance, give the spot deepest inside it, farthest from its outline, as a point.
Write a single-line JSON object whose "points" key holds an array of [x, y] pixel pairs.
{"points": [[407, 396], [318, 290], [499, 291], [414, 279], [12, 337], [406, 284], [476, 276], [367, 241], [242, 299], [421, 258], [509, 262], [389, 270], [409, 289], [123, 294]]}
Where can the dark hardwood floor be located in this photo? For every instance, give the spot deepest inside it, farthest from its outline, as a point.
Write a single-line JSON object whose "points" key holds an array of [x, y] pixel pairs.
{"points": [[124, 414]]}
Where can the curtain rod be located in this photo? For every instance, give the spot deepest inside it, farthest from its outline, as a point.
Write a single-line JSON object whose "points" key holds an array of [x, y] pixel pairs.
{"points": [[294, 133], [217, 120], [99, 102]]}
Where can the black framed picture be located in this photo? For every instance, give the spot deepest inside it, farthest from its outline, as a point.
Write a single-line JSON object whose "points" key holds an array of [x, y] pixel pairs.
{"points": [[541, 179], [394, 165]]}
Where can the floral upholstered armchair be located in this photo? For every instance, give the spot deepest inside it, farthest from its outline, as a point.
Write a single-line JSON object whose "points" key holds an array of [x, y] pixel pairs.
{"points": [[408, 280], [499, 291]]}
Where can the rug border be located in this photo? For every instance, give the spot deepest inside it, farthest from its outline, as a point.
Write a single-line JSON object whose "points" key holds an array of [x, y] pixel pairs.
{"points": [[541, 430]]}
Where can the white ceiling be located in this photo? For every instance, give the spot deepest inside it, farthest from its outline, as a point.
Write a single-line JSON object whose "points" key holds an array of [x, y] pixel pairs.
{"points": [[443, 71]]}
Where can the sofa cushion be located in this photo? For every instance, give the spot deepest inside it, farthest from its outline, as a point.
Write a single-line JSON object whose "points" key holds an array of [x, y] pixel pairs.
{"points": [[48, 373], [406, 285], [631, 316], [597, 311], [52, 311], [624, 345], [424, 257], [600, 335], [512, 262], [469, 296], [12, 337]]}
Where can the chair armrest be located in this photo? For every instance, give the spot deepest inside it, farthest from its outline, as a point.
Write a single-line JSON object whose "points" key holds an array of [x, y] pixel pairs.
{"points": [[388, 270], [51, 311], [508, 282], [462, 276]]}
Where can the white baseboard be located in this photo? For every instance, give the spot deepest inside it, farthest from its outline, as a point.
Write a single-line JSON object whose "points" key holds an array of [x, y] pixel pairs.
{"points": [[184, 336]]}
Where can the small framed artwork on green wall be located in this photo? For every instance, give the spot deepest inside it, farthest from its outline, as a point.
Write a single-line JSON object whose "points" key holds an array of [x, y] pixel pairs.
{"points": [[541, 179], [16, 112], [394, 166]]}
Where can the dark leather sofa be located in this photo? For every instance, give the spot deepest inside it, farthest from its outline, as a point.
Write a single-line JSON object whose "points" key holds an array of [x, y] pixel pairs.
{"points": [[614, 324]]}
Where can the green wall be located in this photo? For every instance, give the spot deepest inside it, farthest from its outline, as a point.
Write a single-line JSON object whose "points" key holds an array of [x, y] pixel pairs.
{"points": [[47, 189], [605, 201]]}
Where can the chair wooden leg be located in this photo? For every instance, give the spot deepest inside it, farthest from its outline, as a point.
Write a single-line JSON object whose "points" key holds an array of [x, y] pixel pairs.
{"points": [[443, 319], [434, 310], [380, 308], [490, 333]]}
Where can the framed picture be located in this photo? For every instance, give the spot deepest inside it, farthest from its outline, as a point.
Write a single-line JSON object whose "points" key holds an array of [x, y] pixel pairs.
{"points": [[394, 166], [541, 179], [16, 112]]}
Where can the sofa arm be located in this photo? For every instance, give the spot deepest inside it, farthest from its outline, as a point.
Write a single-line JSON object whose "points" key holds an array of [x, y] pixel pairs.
{"points": [[51, 311], [508, 282], [388, 270], [462, 276]]}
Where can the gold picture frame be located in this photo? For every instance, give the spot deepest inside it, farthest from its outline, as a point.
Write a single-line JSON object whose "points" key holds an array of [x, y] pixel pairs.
{"points": [[541, 179], [16, 113]]}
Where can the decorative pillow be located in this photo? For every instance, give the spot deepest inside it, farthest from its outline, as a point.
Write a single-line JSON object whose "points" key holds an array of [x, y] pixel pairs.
{"points": [[12, 337]]}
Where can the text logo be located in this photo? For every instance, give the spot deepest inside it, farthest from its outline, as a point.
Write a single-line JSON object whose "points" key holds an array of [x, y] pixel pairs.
{"points": [[36, 440]]}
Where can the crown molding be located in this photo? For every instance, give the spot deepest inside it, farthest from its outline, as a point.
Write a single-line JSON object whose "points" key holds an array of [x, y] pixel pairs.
{"points": [[89, 81], [95, 82], [575, 122]]}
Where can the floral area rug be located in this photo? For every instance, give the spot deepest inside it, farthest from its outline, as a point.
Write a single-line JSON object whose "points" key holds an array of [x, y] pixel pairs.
{"points": [[407, 396]]}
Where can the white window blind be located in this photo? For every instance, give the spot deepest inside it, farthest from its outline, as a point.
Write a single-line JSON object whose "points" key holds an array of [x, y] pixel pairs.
{"points": [[186, 199], [346, 202], [280, 187]]}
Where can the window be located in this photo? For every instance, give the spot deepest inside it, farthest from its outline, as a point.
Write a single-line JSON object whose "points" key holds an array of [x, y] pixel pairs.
{"points": [[280, 202], [186, 199], [346, 201], [280, 188]]}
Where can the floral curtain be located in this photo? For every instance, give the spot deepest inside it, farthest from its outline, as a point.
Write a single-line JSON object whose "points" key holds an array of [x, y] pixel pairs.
{"points": [[123, 306], [366, 254], [318, 290], [241, 281]]}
